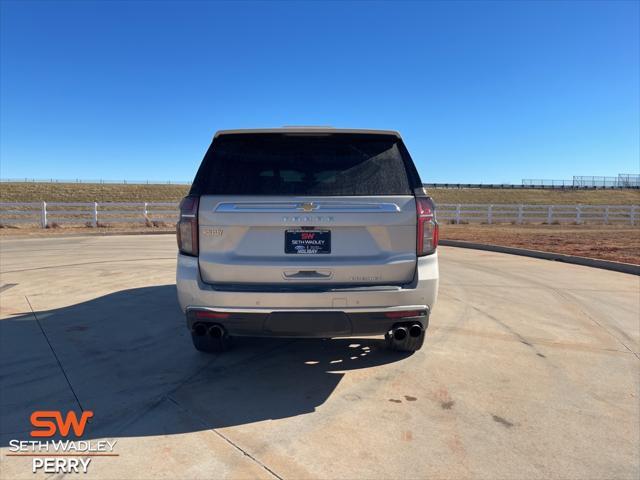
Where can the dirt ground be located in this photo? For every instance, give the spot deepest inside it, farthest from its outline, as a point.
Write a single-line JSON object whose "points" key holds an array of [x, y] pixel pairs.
{"points": [[607, 242]]}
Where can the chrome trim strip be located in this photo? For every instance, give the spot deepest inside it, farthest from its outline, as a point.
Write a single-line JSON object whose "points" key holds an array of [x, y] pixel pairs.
{"points": [[306, 207], [345, 309]]}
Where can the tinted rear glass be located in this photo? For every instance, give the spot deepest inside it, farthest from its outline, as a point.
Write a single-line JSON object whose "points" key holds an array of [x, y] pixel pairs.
{"points": [[281, 164]]}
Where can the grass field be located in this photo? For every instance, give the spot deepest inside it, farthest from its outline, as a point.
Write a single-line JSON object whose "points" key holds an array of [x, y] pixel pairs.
{"points": [[80, 192], [90, 192], [537, 197]]}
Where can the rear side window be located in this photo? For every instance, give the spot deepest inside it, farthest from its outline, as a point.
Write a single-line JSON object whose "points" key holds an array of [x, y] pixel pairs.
{"points": [[298, 164]]}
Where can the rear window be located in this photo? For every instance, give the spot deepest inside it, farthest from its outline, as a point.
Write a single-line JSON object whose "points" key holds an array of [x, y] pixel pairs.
{"points": [[299, 164]]}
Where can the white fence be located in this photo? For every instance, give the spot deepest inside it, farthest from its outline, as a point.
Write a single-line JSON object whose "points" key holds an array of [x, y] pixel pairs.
{"points": [[46, 214], [549, 214], [94, 214], [95, 180]]}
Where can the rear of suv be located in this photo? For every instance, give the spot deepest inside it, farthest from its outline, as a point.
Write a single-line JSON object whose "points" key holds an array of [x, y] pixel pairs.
{"points": [[307, 232]]}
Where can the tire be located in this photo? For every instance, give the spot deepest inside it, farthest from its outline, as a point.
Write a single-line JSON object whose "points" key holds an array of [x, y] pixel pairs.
{"points": [[206, 344]]}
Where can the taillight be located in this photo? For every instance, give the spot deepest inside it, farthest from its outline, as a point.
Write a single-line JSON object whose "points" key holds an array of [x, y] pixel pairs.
{"points": [[187, 227], [427, 240]]}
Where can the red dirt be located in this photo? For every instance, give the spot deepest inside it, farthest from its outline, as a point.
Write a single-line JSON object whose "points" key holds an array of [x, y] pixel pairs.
{"points": [[607, 242]]}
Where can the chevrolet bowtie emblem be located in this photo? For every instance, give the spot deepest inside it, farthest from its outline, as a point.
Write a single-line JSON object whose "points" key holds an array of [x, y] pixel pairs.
{"points": [[307, 206]]}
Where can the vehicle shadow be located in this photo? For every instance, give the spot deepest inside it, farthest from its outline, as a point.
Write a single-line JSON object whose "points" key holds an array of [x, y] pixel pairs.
{"points": [[128, 358]]}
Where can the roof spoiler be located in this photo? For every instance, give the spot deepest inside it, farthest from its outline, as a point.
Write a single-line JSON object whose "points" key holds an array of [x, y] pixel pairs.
{"points": [[310, 130]]}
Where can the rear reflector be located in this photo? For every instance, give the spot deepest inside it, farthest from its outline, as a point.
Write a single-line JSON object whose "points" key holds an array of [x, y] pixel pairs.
{"points": [[202, 314], [405, 314]]}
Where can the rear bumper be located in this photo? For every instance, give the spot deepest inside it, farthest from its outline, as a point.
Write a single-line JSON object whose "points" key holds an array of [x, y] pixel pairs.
{"points": [[305, 323], [335, 312]]}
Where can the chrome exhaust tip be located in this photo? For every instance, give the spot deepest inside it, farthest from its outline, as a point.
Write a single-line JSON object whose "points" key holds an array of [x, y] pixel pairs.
{"points": [[400, 333], [415, 330], [216, 331]]}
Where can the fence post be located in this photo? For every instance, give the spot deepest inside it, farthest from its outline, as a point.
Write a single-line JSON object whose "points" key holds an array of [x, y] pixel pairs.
{"points": [[43, 216], [606, 215], [519, 221], [490, 214], [145, 212], [579, 214], [632, 216], [457, 214], [95, 214], [549, 214]]}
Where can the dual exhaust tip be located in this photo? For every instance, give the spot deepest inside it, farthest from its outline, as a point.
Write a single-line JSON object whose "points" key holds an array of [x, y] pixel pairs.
{"points": [[214, 331], [402, 332]]}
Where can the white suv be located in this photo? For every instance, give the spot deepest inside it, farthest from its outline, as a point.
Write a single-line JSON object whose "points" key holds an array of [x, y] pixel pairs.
{"points": [[307, 232]]}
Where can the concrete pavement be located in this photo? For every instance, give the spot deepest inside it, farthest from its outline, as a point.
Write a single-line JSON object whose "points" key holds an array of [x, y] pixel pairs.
{"points": [[530, 369]]}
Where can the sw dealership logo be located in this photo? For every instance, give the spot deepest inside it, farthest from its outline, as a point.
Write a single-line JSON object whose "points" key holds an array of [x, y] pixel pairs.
{"points": [[60, 456], [44, 419]]}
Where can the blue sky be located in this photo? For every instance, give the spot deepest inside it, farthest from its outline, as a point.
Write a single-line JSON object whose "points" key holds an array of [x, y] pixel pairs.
{"points": [[481, 91]]}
